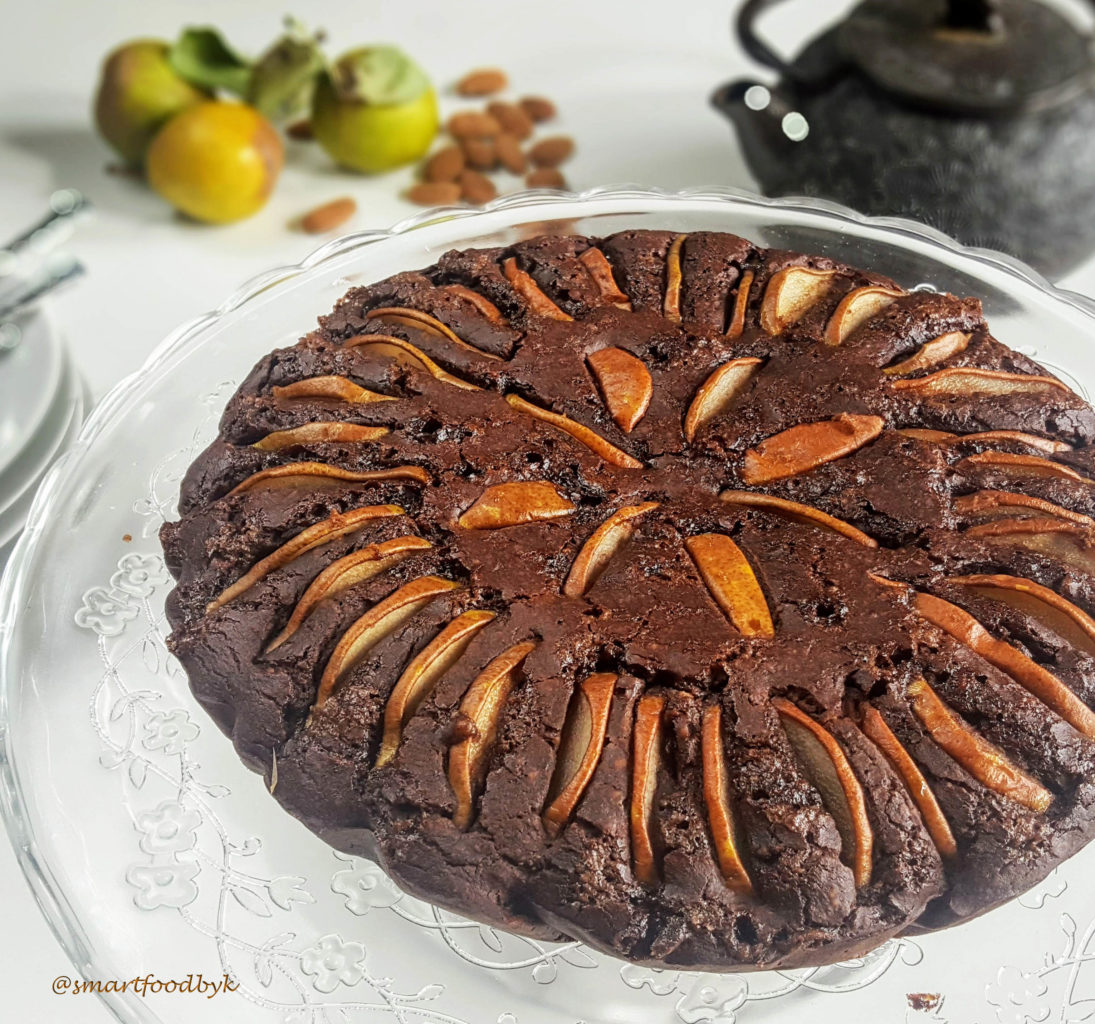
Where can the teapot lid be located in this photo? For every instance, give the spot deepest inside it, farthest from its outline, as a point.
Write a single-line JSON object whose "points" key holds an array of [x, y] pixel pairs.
{"points": [[969, 56]]}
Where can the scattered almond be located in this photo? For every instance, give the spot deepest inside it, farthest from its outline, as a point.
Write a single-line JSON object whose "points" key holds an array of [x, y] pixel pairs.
{"points": [[552, 151], [507, 150], [445, 165], [546, 177], [480, 154], [482, 82], [512, 119], [434, 193], [475, 187], [328, 216], [471, 124], [538, 108]]}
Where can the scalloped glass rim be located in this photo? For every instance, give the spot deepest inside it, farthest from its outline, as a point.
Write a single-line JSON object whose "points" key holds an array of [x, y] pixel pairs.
{"points": [[52, 900]]}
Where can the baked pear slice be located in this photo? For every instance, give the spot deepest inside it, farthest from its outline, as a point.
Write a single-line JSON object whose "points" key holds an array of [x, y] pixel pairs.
{"points": [[383, 618], [671, 307], [989, 765], [1035, 678], [931, 353], [646, 747], [736, 327], [807, 446], [1068, 621], [337, 525], [420, 677], [733, 584], [1023, 465], [308, 474], [406, 354], [334, 432], [881, 735], [580, 749], [994, 505], [716, 799], [831, 774], [600, 270], [481, 711], [531, 292], [418, 320], [514, 504], [791, 294], [354, 568], [971, 380], [590, 438], [717, 392], [855, 309], [625, 385], [799, 513], [487, 308], [333, 386], [602, 546]]}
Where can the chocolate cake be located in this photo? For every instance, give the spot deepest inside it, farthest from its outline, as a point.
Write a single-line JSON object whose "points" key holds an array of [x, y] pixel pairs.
{"points": [[720, 607]]}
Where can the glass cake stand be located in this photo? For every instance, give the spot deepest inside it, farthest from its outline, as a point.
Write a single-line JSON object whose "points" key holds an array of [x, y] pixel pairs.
{"points": [[151, 850]]}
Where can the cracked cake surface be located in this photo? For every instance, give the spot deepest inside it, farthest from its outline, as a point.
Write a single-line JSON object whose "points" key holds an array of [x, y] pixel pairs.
{"points": [[721, 607]]}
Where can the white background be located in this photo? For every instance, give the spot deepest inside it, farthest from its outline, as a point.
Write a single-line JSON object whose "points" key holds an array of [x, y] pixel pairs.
{"points": [[631, 78]]}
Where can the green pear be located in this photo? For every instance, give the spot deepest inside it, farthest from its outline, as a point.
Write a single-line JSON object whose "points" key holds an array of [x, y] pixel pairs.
{"points": [[138, 92]]}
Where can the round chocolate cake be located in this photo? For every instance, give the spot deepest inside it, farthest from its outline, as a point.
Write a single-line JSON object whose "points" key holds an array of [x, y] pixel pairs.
{"points": [[717, 606]]}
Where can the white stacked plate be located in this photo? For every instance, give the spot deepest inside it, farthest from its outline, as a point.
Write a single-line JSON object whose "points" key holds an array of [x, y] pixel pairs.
{"points": [[42, 404]]}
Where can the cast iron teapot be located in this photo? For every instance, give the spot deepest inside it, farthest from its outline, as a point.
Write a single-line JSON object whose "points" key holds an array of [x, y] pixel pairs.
{"points": [[975, 116]]}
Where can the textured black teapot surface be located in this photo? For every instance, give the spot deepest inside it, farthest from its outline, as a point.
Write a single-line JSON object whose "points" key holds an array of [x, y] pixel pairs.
{"points": [[974, 116]]}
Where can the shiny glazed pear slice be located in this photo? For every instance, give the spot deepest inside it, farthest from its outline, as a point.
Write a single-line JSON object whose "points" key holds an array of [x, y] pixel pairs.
{"points": [[406, 354], [340, 388], [420, 677], [732, 583], [798, 512], [791, 294], [671, 307], [299, 474], [931, 353], [601, 271]]}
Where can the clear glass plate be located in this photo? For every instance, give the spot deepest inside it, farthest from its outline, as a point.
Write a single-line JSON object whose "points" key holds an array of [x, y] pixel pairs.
{"points": [[153, 851]]}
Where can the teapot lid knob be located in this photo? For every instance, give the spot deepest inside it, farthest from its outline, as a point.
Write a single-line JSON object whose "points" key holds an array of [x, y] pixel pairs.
{"points": [[976, 57]]}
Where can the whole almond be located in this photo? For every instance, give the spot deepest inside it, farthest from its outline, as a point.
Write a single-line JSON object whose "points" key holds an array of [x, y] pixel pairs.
{"points": [[471, 124], [445, 165], [434, 193], [480, 153], [509, 153], [301, 131], [476, 188], [552, 151], [482, 82], [328, 216], [512, 119], [538, 108], [546, 177]]}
